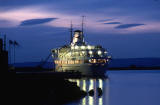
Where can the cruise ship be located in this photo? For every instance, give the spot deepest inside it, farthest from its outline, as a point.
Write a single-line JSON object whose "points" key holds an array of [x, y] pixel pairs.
{"points": [[89, 60]]}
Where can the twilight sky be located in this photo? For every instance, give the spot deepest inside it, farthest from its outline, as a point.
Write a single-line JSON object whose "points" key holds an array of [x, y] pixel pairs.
{"points": [[126, 28]]}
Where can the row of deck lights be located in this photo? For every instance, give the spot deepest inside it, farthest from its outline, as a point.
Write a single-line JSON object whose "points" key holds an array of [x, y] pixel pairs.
{"points": [[99, 52], [81, 47], [88, 47]]}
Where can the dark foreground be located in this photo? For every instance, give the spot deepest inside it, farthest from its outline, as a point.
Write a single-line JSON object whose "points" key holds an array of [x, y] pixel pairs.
{"points": [[41, 89]]}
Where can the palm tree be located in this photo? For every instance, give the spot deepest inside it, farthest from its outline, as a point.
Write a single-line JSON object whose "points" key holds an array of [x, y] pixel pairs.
{"points": [[10, 43], [14, 45]]}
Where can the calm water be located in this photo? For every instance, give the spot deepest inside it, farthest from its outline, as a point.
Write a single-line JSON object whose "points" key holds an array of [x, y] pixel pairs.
{"points": [[123, 88]]}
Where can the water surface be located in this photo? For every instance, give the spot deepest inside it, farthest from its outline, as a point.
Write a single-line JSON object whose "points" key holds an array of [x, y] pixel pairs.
{"points": [[131, 87]]}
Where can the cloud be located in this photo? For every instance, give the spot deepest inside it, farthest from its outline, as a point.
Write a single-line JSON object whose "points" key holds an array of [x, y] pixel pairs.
{"points": [[104, 20], [106, 11], [113, 23], [123, 26], [36, 21]]}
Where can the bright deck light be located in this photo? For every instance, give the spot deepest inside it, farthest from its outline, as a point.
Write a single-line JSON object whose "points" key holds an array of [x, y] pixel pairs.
{"points": [[99, 52], [83, 52], [72, 47], [90, 52], [105, 52], [82, 47], [89, 47], [76, 47]]}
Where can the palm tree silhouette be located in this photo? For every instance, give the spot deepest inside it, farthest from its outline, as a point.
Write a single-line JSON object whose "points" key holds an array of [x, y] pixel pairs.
{"points": [[15, 43], [10, 43]]}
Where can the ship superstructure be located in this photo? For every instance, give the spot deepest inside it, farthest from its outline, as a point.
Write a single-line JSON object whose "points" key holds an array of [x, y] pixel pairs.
{"points": [[80, 57]]}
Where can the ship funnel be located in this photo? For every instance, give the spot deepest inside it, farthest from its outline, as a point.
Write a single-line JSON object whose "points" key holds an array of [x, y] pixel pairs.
{"points": [[78, 38]]}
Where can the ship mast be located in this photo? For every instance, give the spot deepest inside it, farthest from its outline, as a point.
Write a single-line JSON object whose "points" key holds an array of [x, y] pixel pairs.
{"points": [[82, 27], [71, 30]]}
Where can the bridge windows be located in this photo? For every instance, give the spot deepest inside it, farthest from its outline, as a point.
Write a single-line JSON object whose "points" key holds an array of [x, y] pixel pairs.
{"points": [[68, 61], [97, 61], [83, 47]]}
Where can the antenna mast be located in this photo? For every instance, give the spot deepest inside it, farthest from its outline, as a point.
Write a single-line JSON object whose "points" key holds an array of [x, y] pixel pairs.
{"points": [[4, 42], [82, 27], [71, 30]]}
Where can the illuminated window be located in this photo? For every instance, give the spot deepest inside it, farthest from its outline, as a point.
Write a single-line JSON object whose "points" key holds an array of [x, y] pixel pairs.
{"points": [[72, 62], [65, 62], [94, 61], [59, 62], [83, 52], [72, 47], [69, 62], [97, 60], [80, 61], [76, 61], [77, 53], [76, 47], [82, 47]]}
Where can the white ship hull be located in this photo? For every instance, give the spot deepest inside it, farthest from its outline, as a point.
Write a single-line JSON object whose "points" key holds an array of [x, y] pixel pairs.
{"points": [[85, 69]]}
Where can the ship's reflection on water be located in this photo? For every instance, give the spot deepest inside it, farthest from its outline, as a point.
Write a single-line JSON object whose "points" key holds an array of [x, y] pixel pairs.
{"points": [[92, 85], [132, 87]]}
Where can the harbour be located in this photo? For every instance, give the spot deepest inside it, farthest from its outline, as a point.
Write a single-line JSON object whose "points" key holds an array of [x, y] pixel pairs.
{"points": [[40, 82], [123, 86], [80, 52]]}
